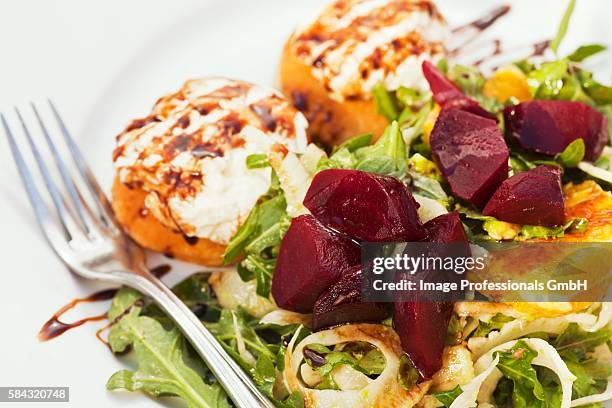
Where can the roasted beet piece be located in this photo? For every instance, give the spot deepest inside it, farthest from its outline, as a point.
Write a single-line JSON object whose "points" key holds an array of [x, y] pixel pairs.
{"points": [[341, 303], [311, 258], [549, 126], [471, 153], [422, 325], [448, 95], [445, 228], [531, 197], [422, 328], [365, 206]]}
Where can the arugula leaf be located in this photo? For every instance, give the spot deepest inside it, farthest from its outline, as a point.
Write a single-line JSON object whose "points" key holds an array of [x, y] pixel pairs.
{"points": [[579, 342], [554, 45], [429, 187], [583, 52], [195, 292], [447, 397], [520, 162], [264, 374], [572, 154], [261, 218], [360, 356], [161, 367], [342, 158], [259, 238], [584, 385], [515, 364], [601, 94], [551, 386], [376, 164], [262, 269], [497, 322], [156, 341], [373, 362], [355, 143], [123, 301], [473, 214], [234, 325], [546, 81], [517, 165], [387, 156], [257, 161], [386, 104], [412, 121]]}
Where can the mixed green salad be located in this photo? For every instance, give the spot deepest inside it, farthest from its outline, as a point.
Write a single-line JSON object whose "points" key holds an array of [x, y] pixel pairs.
{"points": [[542, 360]]}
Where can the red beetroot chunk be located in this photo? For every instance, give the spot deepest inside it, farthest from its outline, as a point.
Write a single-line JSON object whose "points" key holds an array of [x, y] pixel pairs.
{"points": [[471, 153], [341, 303], [365, 206], [448, 95], [311, 258], [531, 197], [550, 126]]}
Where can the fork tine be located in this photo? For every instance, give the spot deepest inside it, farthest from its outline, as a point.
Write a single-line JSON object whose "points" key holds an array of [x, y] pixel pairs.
{"points": [[68, 182], [58, 202], [105, 211], [40, 209]]}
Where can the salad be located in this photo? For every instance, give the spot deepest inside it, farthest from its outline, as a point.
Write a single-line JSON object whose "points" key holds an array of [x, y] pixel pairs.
{"points": [[521, 154]]}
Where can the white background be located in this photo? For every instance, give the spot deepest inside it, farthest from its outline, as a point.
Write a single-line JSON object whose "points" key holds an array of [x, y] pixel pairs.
{"points": [[105, 62]]}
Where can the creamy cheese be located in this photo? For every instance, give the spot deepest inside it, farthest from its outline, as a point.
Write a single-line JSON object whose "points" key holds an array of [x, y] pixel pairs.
{"points": [[190, 153], [355, 44]]}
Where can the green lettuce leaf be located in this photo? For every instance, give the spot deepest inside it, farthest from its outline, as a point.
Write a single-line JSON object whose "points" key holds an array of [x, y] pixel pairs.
{"points": [[546, 81], [387, 156], [585, 51], [554, 45], [260, 224], [572, 154], [359, 356], [515, 364], [579, 342], [386, 104], [497, 322], [161, 367], [447, 397], [355, 143]]}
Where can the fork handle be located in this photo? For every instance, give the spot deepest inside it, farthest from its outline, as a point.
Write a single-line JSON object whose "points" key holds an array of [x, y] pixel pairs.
{"points": [[234, 380]]}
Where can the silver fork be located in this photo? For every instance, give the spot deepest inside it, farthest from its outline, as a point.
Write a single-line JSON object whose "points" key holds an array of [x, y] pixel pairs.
{"points": [[93, 245]]}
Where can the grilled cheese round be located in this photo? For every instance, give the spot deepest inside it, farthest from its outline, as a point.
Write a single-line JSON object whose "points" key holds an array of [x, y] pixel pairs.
{"points": [[184, 166], [330, 67]]}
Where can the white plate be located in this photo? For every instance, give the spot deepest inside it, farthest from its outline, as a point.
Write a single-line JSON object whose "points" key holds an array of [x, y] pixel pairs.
{"points": [[235, 38]]}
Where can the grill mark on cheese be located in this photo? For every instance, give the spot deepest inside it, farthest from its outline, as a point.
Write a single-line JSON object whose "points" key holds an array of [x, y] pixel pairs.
{"points": [[168, 152], [374, 35]]}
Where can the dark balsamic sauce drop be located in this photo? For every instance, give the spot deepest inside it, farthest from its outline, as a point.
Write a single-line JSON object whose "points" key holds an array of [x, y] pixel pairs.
{"points": [[55, 327]]}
